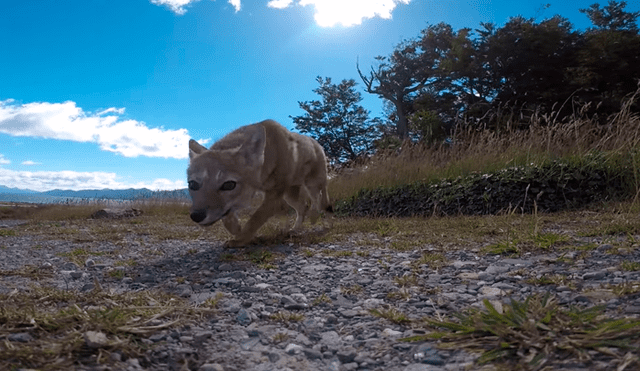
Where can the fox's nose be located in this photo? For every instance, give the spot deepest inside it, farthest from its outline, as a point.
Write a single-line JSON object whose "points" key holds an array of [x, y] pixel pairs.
{"points": [[198, 215]]}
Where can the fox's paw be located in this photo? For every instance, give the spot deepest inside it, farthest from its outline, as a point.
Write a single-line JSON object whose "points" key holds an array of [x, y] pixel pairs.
{"points": [[235, 243]]}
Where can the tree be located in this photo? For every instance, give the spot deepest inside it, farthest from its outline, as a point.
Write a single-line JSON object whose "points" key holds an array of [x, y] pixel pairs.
{"points": [[608, 65], [338, 122], [612, 17], [404, 72]]}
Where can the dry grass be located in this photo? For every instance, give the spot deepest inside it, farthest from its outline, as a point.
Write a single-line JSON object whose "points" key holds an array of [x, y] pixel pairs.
{"points": [[59, 322], [487, 151]]}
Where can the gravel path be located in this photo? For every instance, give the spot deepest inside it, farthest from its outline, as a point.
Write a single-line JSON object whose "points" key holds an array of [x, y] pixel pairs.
{"points": [[333, 287]]}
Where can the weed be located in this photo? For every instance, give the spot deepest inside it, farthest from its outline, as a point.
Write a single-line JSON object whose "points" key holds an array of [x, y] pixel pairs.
{"points": [[406, 281], [546, 240], [213, 302], [402, 294], [285, 317], [321, 299], [627, 265], [58, 320], [624, 288], [433, 260], [352, 290], [280, 337], [116, 273], [391, 314], [7, 232], [533, 332]]}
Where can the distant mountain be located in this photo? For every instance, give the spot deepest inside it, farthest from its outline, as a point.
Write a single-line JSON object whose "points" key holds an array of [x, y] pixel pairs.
{"points": [[107, 194], [100, 194], [8, 190]]}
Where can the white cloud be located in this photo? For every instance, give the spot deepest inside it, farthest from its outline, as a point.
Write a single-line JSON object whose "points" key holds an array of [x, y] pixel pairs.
{"points": [[48, 180], [236, 4], [176, 6], [30, 163], [279, 4], [329, 13], [66, 121], [180, 6], [3, 160]]}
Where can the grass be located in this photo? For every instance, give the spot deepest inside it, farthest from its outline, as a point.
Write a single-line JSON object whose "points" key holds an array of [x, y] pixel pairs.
{"points": [[535, 332], [58, 322], [483, 151]]}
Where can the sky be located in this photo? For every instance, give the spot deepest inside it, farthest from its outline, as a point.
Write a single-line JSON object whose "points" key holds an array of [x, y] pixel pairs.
{"points": [[106, 93]]}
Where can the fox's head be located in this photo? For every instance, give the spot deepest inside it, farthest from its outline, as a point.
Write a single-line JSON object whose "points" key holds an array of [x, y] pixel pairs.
{"points": [[224, 178]]}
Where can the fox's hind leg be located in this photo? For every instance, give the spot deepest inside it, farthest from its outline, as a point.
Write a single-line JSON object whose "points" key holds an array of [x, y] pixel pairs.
{"points": [[297, 197]]}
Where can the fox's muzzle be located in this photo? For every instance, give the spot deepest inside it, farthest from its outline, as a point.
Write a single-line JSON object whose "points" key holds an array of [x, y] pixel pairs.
{"points": [[199, 215]]}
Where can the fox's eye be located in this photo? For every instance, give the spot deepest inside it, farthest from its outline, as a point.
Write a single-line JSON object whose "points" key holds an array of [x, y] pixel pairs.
{"points": [[193, 185], [228, 185]]}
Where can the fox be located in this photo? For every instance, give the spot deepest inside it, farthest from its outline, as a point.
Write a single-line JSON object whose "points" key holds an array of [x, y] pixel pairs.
{"points": [[287, 168]]}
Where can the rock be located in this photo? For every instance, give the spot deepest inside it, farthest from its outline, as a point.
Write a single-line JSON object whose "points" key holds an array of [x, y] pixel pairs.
{"points": [[293, 349], [391, 333], [312, 354], [95, 339], [594, 275], [20, 337], [346, 355], [116, 213], [211, 367], [426, 353], [490, 291], [243, 317]]}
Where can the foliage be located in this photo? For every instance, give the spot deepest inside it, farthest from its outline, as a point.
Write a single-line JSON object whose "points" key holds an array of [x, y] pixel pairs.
{"points": [[338, 122], [526, 68]]}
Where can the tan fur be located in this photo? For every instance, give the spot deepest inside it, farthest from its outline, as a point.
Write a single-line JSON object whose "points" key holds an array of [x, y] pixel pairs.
{"points": [[263, 157]]}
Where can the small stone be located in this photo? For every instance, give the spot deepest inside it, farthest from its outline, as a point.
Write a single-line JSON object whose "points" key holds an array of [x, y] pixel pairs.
{"points": [[157, 337], [312, 354], [20, 337], [225, 267], [594, 275], [604, 247], [346, 355], [427, 354], [95, 339], [292, 349], [391, 333], [76, 274], [243, 317], [491, 291], [89, 263], [211, 367]]}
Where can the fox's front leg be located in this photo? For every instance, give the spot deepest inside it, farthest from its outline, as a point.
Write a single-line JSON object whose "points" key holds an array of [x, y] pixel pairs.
{"points": [[269, 207], [232, 224]]}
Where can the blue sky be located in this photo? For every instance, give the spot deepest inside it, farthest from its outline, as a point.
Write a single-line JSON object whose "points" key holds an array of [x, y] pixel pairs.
{"points": [[106, 93]]}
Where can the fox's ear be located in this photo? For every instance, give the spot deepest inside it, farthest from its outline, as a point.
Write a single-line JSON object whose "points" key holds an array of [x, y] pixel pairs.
{"points": [[195, 148], [252, 151]]}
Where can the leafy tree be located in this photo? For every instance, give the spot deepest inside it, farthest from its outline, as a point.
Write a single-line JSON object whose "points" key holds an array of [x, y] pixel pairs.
{"points": [[612, 17], [608, 65], [527, 60], [337, 121], [397, 77]]}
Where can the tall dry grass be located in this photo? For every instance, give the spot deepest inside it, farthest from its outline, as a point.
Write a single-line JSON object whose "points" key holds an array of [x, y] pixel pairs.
{"points": [[474, 150]]}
